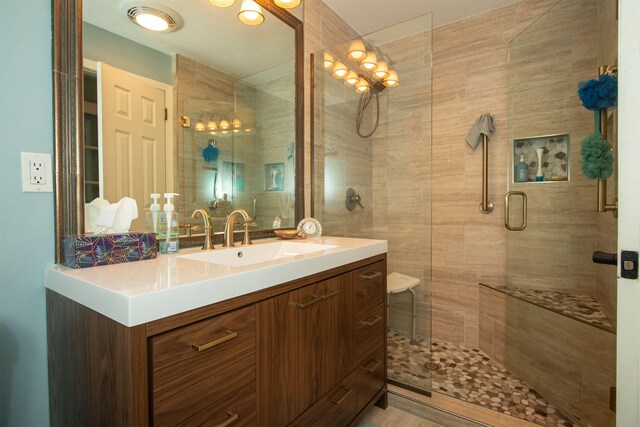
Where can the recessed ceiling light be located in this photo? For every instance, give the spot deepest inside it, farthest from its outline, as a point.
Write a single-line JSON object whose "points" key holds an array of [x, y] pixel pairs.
{"points": [[155, 18]]}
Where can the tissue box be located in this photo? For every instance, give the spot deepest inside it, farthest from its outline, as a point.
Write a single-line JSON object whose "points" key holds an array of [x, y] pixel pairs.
{"points": [[93, 250]]}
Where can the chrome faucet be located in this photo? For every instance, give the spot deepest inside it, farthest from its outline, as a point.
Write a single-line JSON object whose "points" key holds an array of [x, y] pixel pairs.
{"points": [[228, 228], [208, 245]]}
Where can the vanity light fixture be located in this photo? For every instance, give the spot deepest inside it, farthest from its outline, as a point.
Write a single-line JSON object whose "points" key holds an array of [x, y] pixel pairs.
{"points": [[340, 70], [392, 79], [352, 79], [362, 86], [287, 4], [382, 71], [370, 62], [222, 3], [328, 61], [200, 126], [357, 51], [212, 125], [250, 13], [224, 124], [158, 18], [236, 123]]}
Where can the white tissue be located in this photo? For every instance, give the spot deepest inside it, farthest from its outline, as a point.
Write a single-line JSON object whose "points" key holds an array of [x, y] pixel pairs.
{"points": [[104, 218]]}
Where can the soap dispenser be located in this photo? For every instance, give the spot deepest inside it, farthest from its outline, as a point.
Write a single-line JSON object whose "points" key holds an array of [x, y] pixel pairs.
{"points": [[521, 171], [169, 242], [153, 216]]}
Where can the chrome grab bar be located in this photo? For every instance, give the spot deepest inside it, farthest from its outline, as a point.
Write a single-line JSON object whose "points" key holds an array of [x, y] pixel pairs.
{"points": [[524, 210], [485, 206]]}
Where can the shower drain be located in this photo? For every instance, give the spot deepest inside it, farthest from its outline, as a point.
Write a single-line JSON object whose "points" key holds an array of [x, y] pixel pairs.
{"points": [[431, 366]]}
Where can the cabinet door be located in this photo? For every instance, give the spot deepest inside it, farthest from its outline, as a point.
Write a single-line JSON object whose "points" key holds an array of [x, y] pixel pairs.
{"points": [[335, 339], [286, 346]]}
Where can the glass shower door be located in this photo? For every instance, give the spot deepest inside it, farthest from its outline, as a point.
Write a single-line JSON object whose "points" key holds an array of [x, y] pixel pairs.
{"points": [[379, 186]]}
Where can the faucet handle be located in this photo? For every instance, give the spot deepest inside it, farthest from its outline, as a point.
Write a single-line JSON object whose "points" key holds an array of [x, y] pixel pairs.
{"points": [[246, 240]]}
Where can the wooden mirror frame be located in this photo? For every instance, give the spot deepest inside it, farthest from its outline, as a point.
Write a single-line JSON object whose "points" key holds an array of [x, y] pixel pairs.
{"points": [[68, 116]]}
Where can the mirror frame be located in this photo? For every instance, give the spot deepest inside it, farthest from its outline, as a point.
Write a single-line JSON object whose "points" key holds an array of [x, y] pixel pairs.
{"points": [[69, 127]]}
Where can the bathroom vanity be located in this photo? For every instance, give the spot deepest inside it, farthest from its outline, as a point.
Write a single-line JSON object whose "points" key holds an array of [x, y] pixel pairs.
{"points": [[296, 340]]}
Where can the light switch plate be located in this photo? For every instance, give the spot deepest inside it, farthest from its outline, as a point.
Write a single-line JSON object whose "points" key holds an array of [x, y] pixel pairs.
{"points": [[37, 174]]}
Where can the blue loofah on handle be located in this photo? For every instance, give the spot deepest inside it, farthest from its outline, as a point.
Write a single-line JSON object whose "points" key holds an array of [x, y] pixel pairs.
{"points": [[600, 93], [210, 153], [597, 157]]}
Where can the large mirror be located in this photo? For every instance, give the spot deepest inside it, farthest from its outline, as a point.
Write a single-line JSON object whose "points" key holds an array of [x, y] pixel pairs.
{"points": [[211, 110]]}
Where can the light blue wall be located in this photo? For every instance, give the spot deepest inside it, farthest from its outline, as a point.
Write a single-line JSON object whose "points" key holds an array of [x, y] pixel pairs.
{"points": [[26, 218], [119, 52]]}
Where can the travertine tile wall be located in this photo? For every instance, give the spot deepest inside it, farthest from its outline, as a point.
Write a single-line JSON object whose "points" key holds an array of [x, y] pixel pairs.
{"points": [[570, 363]]}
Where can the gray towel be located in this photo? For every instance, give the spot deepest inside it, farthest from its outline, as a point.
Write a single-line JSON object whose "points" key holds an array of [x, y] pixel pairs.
{"points": [[482, 126]]}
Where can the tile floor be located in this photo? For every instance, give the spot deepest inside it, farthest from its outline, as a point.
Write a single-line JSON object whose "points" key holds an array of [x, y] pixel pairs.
{"points": [[468, 374]]}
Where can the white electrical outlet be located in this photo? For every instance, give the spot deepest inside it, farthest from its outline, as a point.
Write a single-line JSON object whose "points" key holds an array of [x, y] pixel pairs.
{"points": [[37, 174]]}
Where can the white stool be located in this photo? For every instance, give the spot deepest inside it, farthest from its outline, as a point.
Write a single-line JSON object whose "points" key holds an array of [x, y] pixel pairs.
{"points": [[396, 283]]}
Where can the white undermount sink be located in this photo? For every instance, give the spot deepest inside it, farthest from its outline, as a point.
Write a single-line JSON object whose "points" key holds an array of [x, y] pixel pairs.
{"points": [[240, 256]]}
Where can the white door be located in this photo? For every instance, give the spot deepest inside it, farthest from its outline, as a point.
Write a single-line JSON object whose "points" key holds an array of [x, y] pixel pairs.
{"points": [[132, 140], [628, 337]]}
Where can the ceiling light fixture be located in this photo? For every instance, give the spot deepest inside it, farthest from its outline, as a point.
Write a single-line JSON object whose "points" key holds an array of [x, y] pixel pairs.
{"points": [[250, 13], [287, 4], [158, 18], [362, 86], [382, 71], [328, 61], [352, 79], [392, 79], [200, 126], [212, 125]]}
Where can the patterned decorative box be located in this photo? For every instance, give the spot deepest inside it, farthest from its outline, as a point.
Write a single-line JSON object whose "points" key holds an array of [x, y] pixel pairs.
{"points": [[91, 251]]}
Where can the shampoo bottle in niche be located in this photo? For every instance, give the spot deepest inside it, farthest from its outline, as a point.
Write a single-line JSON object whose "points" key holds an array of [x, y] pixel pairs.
{"points": [[153, 216], [168, 235], [521, 171]]}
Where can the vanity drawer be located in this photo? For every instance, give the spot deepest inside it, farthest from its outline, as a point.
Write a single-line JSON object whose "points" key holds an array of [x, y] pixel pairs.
{"points": [[370, 287], [336, 408], [369, 333], [201, 363], [370, 377], [237, 409]]}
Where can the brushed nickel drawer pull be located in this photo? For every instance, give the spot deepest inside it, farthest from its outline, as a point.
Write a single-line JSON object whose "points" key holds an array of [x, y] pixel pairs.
{"points": [[229, 336], [376, 363], [347, 392], [314, 300], [333, 292], [371, 275], [232, 418], [375, 320]]}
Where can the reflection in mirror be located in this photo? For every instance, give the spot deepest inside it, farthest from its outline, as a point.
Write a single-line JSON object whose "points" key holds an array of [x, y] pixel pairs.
{"points": [[207, 111]]}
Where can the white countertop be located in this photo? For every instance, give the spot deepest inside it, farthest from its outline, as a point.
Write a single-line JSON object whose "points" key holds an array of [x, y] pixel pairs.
{"points": [[139, 292]]}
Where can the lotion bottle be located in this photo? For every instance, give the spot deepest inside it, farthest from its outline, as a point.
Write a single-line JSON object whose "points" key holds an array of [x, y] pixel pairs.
{"points": [[153, 216], [169, 242]]}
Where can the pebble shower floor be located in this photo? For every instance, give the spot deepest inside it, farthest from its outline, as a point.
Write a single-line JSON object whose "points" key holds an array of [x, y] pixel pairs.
{"points": [[468, 374]]}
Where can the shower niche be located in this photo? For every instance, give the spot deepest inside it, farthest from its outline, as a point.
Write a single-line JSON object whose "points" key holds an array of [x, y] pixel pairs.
{"points": [[554, 159]]}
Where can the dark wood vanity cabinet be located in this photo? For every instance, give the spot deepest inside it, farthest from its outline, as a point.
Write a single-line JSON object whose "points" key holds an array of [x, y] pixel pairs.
{"points": [[308, 352]]}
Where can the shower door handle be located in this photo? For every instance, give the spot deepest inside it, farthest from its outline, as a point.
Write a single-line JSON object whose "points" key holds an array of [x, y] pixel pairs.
{"points": [[507, 206]]}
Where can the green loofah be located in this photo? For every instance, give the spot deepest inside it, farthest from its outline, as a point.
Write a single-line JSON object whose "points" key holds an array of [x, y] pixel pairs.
{"points": [[597, 157]]}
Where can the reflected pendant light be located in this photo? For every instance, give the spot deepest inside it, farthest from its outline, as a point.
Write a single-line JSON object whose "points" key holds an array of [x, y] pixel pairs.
{"points": [[224, 124], [212, 125], [222, 3], [287, 4], [392, 79], [352, 79], [340, 71], [200, 126], [250, 13], [362, 86], [236, 123], [382, 71], [328, 61], [357, 50], [370, 62]]}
